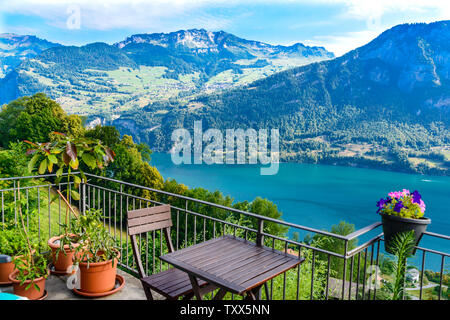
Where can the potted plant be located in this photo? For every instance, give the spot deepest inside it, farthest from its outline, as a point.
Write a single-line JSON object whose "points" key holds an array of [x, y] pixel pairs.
{"points": [[66, 153], [12, 244], [402, 211], [99, 256], [32, 271]]}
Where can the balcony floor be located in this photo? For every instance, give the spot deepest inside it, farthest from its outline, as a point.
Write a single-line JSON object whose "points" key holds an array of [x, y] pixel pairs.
{"points": [[57, 289]]}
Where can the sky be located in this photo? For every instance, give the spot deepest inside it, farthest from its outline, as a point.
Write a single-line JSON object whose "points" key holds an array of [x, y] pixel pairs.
{"points": [[337, 25]]}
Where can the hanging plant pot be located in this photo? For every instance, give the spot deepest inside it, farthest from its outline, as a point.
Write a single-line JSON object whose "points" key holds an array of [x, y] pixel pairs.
{"points": [[393, 225], [31, 293], [61, 262], [98, 277]]}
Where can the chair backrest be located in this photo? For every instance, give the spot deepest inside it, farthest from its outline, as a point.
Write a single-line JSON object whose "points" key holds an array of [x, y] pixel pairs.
{"points": [[145, 220], [149, 219]]}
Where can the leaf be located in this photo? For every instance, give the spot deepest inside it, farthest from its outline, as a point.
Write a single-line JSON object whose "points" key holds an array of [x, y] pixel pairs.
{"points": [[89, 160], [75, 195], [43, 166], [52, 158], [76, 179], [74, 164], [71, 150], [32, 162], [59, 172], [50, 166]]}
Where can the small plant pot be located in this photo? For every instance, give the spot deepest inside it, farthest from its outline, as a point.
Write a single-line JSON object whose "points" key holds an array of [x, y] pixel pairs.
{"points": [[64, 261], [6, 268], [393, 225], [32, 293], [98, 277]]}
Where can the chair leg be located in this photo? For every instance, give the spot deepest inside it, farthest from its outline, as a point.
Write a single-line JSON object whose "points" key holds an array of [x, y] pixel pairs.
{"points": [[148, 292]]}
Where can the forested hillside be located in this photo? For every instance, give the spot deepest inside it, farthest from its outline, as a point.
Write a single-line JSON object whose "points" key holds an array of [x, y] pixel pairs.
{"points": [[386, 104]]}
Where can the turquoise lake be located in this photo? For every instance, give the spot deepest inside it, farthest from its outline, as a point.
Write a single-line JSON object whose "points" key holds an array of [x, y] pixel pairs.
{"points": [[319, 196]]}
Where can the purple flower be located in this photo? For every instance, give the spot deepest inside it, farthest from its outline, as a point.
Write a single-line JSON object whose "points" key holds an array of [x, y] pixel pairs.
{"points": [[398, 206], [416, 197], [380, 204]]}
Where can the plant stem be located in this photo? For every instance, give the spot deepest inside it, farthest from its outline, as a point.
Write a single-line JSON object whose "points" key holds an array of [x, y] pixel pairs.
{"points": [[30, 250]]}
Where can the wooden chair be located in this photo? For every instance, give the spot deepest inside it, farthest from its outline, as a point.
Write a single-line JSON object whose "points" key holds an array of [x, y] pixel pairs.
{"points": [[172, 283]]}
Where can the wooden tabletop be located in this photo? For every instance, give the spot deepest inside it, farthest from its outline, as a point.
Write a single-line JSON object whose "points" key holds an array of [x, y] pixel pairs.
{"points": [[232, 263]]}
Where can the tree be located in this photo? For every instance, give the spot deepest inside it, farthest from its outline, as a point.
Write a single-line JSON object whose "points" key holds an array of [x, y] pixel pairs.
{"points": [[34, 118]]}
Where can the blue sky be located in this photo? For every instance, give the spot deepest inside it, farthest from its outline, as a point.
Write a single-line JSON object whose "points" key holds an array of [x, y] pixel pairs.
{"points": [[338, 25]]}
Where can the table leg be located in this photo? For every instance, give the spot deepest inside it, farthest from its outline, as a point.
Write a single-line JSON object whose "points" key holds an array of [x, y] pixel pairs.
{"points": [[253, 293], [220, 294], [195, 287]]}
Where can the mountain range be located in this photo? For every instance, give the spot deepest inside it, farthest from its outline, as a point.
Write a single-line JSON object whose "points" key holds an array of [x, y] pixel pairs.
{"points": [[103, 79], [385, 104]]}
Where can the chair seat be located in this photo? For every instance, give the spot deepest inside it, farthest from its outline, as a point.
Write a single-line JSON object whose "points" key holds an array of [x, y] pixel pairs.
{"points": [[171, 283]]}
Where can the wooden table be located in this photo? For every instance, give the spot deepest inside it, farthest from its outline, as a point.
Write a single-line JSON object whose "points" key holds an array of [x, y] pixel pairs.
{"points": [[231, 264]]}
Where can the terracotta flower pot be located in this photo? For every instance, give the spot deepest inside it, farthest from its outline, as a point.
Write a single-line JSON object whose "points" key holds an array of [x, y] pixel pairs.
{"points": [[64, 261], [31, 293], [7, 268], [99, 277]]}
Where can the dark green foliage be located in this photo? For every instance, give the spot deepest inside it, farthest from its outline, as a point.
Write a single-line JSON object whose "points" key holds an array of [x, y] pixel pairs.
{"points": [[34, 118]]}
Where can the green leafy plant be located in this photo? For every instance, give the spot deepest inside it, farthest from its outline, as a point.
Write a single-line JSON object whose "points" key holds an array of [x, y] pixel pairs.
{"points": [[402, 247], [32, 265], [98, 243], [66, 153]]}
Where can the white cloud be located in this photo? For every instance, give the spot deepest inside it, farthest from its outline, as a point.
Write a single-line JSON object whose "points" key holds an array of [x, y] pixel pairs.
{"points": [[169, 15]]}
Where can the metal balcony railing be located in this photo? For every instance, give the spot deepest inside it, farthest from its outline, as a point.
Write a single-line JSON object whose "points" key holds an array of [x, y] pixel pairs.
{"points": [[344, 271]]}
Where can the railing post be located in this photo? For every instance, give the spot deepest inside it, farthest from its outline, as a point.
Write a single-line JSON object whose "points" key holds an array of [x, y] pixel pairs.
{"points": [[344, 269], [83, 198], [259, 235]]}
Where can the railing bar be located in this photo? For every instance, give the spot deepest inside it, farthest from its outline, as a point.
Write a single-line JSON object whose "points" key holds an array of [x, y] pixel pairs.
{"points": [[376, 270], [204, 229], [440, 278], [160, 249], [49, 214], [126, 245], [357, 276], [59, 210], [371, 263], [344, 271], [298, 274], [178, 227], [328, 278], [195, 230], [154, 251], [109, 211], [185, 225], [271, 281], [39, 213], [351, 279], [284, 274], [421, 275], [312, 274], [3, 211], [364, 275]]}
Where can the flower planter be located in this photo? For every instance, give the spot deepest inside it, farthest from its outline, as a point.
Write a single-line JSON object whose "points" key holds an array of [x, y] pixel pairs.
{"points": [[64, 261], [393, 225], [31, 293], [98, 277]]}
